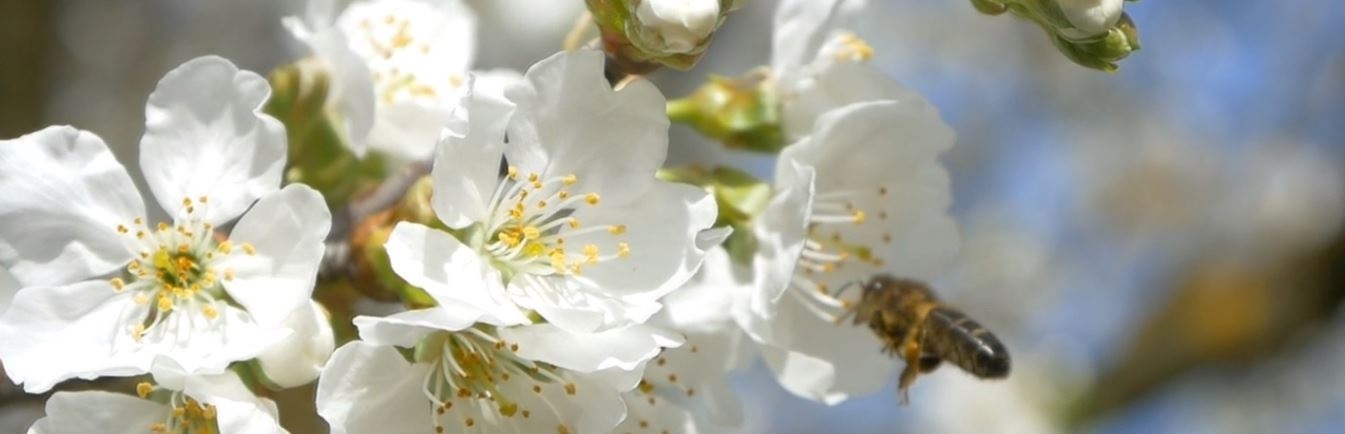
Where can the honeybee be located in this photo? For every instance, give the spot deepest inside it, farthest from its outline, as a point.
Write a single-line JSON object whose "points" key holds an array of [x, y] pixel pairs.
{"points": [[913, 325]]}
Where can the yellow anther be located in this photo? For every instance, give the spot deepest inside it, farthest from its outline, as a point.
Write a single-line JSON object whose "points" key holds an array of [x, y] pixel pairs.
{"points": [[163, 226], [141, 299], [122, 229], [509, 409], [138, 332], [591, 254], [569, 389], [574, 223], [144, 389], [209, 312], [541, 204], [513, 173], [531, 233], [249, 249], [229, 275], [165, 304], [616, 229], [209, 412], [139, 235], [186, 201], [139, 221], [203, 200], [563, 195], [534, 177], [469, 422], [646, 387], [558, 261], [622, 250], [117, 283], [859, 216], [569, 179], [592, 198], [225, 247], [534, 249], [853, 49], [158, 427]]}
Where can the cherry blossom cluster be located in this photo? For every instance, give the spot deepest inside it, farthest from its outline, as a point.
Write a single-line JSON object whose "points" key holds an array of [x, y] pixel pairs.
{"points": [[546, 273]]}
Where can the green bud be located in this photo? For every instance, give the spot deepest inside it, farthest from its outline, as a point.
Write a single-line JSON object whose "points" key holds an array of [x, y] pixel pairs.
{"points": [[743, 113], [1092, 33]]}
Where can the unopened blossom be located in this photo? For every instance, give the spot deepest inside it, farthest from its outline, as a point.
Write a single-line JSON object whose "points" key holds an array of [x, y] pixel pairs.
{"points": [[468, 376], [107, 287], [398, 68], [686, 389], [862, 194], [677, 26], [577, 229], [1091, 17], [173, 403]]}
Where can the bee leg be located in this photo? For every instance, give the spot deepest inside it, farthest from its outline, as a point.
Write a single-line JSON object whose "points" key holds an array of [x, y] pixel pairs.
{"points": [[911, 354]]}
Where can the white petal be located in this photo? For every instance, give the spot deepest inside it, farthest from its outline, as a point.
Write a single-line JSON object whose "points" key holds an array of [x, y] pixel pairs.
{"points": [[681, 25], [405, 329], [239, 411], [570, 120], [686, 389], [299, 358], [56, 333], [593, 407], [661, 232], [838, 84], [450, 272], [202, 346], [377, 391], [623, 348], [286, 229], [98, 411], [467, 164], [1092, 16], [781, 233], [823, 361], [205, 135], [706, 301], [64, 195], [408, 131], [351, 93], [800, 29]]}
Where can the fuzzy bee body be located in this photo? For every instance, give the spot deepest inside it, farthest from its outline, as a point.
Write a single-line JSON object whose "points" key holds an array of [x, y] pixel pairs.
{"points": [[907, 317]]}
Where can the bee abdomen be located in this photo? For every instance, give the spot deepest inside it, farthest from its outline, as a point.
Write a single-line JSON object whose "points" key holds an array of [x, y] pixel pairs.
{"points": [[962, 341]]}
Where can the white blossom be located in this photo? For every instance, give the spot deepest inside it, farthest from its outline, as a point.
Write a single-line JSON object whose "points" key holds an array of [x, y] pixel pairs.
{"points": [[578, 229], [398, 68], [72, 216], [862, 194], [179, 403], [464, 376]]}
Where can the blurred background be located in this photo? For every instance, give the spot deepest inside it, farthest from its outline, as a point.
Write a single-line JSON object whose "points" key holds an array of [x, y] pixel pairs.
{"points": [[1160, 248]]}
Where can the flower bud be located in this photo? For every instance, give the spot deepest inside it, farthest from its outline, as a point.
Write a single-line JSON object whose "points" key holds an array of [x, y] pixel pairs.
{"points": [[676, 26], [1103, 53], [743, 113], [298, 359], [644, 34], [1091, 17]]}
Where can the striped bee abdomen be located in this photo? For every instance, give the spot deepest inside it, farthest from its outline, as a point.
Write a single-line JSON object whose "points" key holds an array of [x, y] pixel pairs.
{"points": [[963, 342]]}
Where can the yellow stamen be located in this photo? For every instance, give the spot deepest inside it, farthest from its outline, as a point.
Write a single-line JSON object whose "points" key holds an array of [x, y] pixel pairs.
{"points": [[144, 389], [617, 229], [622, 250], [592, 198]]}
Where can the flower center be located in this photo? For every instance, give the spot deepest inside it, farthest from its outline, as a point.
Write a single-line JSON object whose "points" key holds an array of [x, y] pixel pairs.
{"points": [[397, 43], [477, 373], [530, 220], [173, 272], [186, 416]]}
